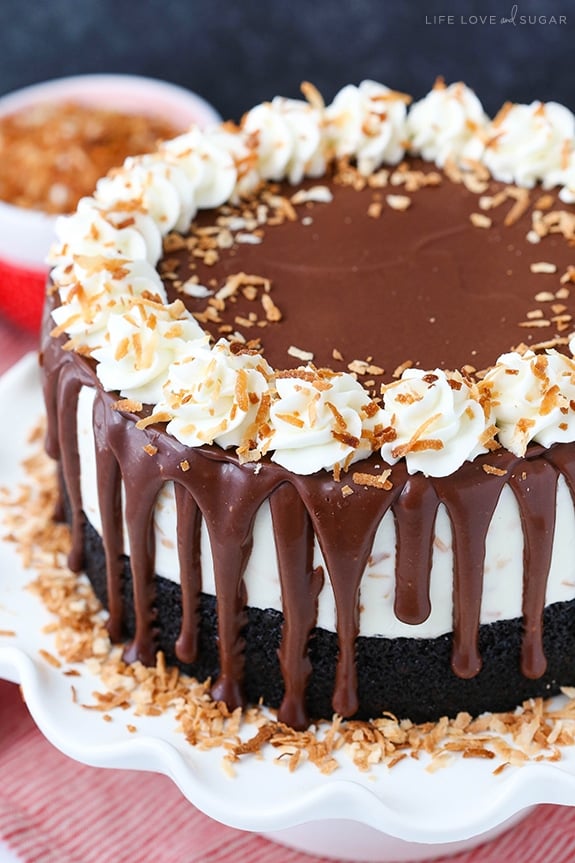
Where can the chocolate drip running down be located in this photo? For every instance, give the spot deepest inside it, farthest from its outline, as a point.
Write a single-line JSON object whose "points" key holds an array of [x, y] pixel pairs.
{"points": [[215, 488]]}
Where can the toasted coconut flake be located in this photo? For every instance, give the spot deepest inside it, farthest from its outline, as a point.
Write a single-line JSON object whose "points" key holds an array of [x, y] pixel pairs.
{"points": [[158, 417], [241, 321], [379, 179], [493, 471], [536, 323], [402, 368], [474, 183], [130, 405], [192, 288], [545, 202], [291, 419], [246, 240], [312, 95], [272, 312], [489, 202], [359, 367], [550, 400], [230, 288], [543, 267], [315, 194], [555, 342], [50, 658], [452, 171], [520, 206], [300, 354], [398, 202], [380, 480], [375, 209], [363, 367], [479, 220]]}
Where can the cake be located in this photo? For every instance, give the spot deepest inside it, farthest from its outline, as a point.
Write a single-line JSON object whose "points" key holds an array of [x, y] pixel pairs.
{"points": [[310, 384]]}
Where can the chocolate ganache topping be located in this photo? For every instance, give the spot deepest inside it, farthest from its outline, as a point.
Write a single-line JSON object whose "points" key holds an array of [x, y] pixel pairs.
{"points": [[423, 285], [416, 268]]}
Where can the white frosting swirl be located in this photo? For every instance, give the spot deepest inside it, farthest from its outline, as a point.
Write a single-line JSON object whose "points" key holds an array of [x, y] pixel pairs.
{"points": [[140, 345], [207, 164], [439, 421], [214, 396], [105, 232], [530, 143], [532, 398], [244, 157], [447, 124], [367, 123], [319, 420], [93, 288], [287, 139], [161, 189]]}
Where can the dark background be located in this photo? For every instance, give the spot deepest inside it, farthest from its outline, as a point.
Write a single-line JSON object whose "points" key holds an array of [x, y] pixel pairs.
{"points": [[237, 53]]}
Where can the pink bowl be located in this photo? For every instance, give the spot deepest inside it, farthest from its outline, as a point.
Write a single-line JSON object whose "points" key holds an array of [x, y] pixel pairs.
{"points": [[26, 235]]}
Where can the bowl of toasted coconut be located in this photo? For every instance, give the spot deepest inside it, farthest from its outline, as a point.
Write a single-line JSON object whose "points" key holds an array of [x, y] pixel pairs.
{"points": [[57, 138]]}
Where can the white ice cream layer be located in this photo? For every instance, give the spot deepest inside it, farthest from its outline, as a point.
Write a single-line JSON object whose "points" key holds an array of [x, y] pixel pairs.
{"points": [[503, 573]]}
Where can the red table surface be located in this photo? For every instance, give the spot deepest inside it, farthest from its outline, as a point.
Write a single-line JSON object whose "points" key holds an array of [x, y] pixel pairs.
{"points": [[54, 810]]}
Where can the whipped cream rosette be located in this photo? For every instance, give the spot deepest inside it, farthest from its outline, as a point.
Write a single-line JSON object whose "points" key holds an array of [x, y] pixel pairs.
{"points": [[94, 288], [164, 190], [440, 421], [213, 395], [141, 344], [102, 230], [533, 398], [288, 139], [367, 123], [530, 143], [320, 420], [245, 160], [447, 124], [208, 164]]}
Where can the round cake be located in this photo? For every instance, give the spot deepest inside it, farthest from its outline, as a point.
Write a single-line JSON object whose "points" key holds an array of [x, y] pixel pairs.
{"points": [[310, 383]]}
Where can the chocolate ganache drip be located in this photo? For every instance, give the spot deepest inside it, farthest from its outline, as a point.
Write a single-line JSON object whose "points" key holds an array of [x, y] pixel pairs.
{"points": [[211, 486], [299, 579], [189, 545]]}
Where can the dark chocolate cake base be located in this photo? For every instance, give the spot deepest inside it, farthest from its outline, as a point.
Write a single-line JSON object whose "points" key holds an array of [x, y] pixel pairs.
{"points": [[409, 677]]}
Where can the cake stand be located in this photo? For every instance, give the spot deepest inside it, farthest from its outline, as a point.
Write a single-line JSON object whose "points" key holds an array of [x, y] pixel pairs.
{"points": [[398, 814]]}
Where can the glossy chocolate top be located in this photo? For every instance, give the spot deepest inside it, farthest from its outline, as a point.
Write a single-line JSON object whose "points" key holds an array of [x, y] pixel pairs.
{"points": [[425, 285]]}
